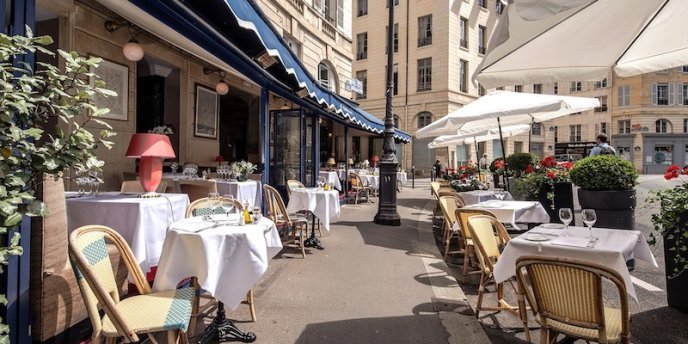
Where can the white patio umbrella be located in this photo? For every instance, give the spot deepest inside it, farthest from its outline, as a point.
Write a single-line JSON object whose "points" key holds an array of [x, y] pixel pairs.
{"points": [[490, 134], [539, 41]]}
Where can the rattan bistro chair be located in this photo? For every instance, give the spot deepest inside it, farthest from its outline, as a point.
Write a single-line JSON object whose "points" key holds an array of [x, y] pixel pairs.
{"points": [[449, 204], [566, 298], [142, 314], [359, 188], [487, 232], [294, 184], [200, 207], [295, 225], [466, 247]]}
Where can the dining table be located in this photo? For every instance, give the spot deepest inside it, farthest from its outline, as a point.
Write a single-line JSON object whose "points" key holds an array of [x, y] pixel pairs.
{"points": [[332, 178], [479, 196], [323, 204], [249, 191], [512, 212], [142, 222], [226, 258]]}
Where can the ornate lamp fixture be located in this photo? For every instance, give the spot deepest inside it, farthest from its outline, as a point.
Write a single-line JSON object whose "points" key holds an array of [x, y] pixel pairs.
{"points": [[132, 51], [221, 87]]}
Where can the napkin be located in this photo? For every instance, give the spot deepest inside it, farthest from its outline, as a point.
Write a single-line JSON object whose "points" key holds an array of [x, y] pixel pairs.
{"points": [[570, 241]]}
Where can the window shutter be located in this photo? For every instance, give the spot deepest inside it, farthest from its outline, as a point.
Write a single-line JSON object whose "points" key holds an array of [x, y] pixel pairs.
{"points": [[654, 93], [679, 93], [619, 96], [340, 14], [671, 93]]}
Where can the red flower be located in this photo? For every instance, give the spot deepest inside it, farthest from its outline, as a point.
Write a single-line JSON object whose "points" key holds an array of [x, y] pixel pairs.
{"points": [[219, 158], [529, 169], [668, 176], [567, 166], [673, 168], [549, 162], [685, 170], [551, 175], [499, 164]]}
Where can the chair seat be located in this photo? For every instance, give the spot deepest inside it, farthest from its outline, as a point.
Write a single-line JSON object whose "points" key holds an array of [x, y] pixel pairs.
{"points": [[143, 312], [612, 317]]}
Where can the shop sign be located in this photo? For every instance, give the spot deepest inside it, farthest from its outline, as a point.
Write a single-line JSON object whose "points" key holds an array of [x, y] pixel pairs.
{"points": [[354, 85]]}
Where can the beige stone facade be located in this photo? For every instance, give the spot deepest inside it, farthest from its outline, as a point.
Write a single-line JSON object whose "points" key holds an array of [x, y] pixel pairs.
{"points": [[446, 53]]}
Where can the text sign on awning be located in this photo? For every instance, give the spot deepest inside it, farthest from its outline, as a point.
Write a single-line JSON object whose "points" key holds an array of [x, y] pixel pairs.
{"points": [[354, 85]]}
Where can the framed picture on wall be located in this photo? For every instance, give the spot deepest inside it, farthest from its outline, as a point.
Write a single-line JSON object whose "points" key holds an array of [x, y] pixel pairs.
{"points": [[205, 123], [116, 78]]}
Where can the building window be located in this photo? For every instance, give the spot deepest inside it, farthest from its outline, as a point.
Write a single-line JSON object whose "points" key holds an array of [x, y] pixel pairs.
{"points": [[396, 121], [575, 135], [396, 2], [662, 93], [463, 81], [624, 95], [293, 45], [424, 118], [664, 154], [482, 39], [603, 104], [483, 3], [518, 88], [601, 84], [325, 76], [362, 46], [362, 7], [500, 7], [576, 86], [425, 74], [625, 126], [556, 134], [501, 88], [481, 90], [425, 30], [536, 129], [362, 76], [685, 125], [395, 79], [556, 88], [464, 32], [662, 126], [518, 147], [537, 88], [683, 93], [683, 69], [603, 128], [395, 38]]}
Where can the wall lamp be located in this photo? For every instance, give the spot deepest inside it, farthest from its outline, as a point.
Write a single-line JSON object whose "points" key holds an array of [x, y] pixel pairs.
{"points": [[132, 51], [221, 87]]}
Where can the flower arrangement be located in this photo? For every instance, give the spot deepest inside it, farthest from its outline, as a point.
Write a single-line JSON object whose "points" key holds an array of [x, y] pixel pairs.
{"points": [[519, 162], [548, 171], [466, 185], [219, 158], [461, 173], [497, 166], [671, 221], [167, 129], [242, 169]]}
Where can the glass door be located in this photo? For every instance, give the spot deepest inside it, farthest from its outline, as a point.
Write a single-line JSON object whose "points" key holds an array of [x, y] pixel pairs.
{"points": [[285, 148]]}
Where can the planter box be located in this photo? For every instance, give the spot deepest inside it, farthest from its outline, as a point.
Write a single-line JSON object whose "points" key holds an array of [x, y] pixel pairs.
{"points": [[615, 209], [563, 198], [676, 286]]}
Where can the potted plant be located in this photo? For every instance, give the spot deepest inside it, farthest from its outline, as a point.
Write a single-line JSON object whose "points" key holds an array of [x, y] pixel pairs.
{"points": [[549, 183], [606, 184], [242, 169], [497, 169], [671, 222], [517, 163]]}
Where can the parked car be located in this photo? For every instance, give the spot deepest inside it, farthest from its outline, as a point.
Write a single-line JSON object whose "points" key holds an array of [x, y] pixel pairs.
{"points": [[560, 158]]}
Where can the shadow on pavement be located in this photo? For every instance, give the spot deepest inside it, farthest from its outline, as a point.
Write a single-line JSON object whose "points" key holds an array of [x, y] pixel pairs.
{"points": [[666, 323]]}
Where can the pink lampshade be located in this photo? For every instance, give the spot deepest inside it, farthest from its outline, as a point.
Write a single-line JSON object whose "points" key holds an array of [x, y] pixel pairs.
{"points": [[150, 145]]}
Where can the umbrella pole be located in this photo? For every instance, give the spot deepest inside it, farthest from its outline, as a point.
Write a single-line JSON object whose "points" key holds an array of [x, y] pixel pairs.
{"points": [[506, 166], [477, 154], [530, 133]]}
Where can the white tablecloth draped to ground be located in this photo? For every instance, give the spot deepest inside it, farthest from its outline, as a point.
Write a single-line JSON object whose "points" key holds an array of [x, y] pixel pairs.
{"points": [[332, 178], [227, 259], [142, 222], [248, 191], [515, 211], [373, 180], [613, 248], [478, 196], [323, 204]]}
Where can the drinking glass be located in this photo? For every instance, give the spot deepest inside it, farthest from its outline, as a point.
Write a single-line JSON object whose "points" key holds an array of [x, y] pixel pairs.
{"points": [[589, 218], [499, 194], [565, 216], [257, 214], [228, 206], [213, 202]]}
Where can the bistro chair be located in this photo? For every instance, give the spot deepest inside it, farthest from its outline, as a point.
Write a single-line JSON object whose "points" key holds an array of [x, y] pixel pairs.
{"points": [[294, 184], [200, 207], [358, 188], [566, 297], [295, 225], [449, 204], [126, 319], [466, 245], [442, 191], [482, 229], [131, 186], [197, 188]]}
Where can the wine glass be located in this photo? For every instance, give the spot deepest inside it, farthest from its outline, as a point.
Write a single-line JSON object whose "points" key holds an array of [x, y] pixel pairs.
{"points": [[174, 166], [257, 214], [565, 216], [213, 202], [499, 194], [589, 218], [228, 205]]}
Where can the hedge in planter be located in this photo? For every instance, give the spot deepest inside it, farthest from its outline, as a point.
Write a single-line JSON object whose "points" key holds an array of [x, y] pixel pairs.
{"points": [[519, 162]]}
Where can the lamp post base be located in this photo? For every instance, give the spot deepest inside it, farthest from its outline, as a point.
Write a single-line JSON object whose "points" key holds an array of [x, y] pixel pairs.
{"points": [[387, 214]]}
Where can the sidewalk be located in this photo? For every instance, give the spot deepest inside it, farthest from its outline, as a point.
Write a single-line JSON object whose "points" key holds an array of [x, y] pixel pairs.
{"points": [[371, 284]]}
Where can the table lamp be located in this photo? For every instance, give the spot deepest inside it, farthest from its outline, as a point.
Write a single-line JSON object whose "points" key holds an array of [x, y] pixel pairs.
{"points": [[350, 162], [151, 149], [330, 163]]}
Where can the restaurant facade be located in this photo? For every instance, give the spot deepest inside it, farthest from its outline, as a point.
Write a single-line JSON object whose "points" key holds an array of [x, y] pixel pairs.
{"points": [[270, 111]]}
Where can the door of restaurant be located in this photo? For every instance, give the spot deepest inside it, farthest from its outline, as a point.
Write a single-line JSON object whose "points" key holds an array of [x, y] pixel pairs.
{"points": [[292, 147]]}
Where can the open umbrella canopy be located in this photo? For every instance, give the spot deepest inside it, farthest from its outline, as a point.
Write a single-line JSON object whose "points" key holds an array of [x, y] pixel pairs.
{"points": [[540, 41], [490, 134], [513, 108]]}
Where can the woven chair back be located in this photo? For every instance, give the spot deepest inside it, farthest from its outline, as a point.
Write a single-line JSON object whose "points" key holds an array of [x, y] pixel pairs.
{"points": [[449, 205], [434, 186], [487, 232], [294, 184], [463, 214], [197, 188], [570, 291], [277, 210], [201, 207]]}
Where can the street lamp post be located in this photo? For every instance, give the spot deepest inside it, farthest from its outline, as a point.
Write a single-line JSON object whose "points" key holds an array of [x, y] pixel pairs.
{"points": [[387, 206]]}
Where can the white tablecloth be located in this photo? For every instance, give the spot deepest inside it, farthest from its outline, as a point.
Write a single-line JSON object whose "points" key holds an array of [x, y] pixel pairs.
{"points": [[227, 260], [323, 204], [373, 181], [332, 178], [401, 177], [249, 191], [142, 222], [613, 249], [478, 196], [515, 211]]}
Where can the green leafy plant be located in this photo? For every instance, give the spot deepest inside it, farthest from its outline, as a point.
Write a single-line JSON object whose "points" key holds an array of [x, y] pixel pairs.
{"points": [[518, 162], [604, 173], [470, 184], [29, 99], [528, 186]]}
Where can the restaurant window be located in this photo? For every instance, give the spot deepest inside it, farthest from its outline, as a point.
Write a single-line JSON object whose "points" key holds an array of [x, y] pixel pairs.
{"points": [[395, 38], [664, 154], [662, 126], [575, 135], [325, 76], [424, 118], [482, 39], [362, 7], [556, 88], [576, 86], [362, 46], [424, 30], [624, 95], [537, 88], [362, 76], [463, 77], [518, 88], [536, 129], [624, 126], [556, 134], [603, 128], [464, 32], [424, 74], [662, 93], [601, 84]]}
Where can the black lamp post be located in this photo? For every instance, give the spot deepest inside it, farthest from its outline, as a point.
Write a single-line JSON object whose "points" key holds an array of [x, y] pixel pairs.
{"points": [[387, 207]]}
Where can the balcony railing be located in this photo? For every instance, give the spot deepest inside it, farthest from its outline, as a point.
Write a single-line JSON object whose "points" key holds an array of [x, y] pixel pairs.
{"points": [[362, 55], [329, 29], [299, 4], [423, 41], [602, 108], [662, 101]]}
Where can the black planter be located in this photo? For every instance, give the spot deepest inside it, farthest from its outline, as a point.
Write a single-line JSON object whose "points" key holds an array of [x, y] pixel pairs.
{"points": [[496, 180], [615, 209], [675, 285], [563, 198]]}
